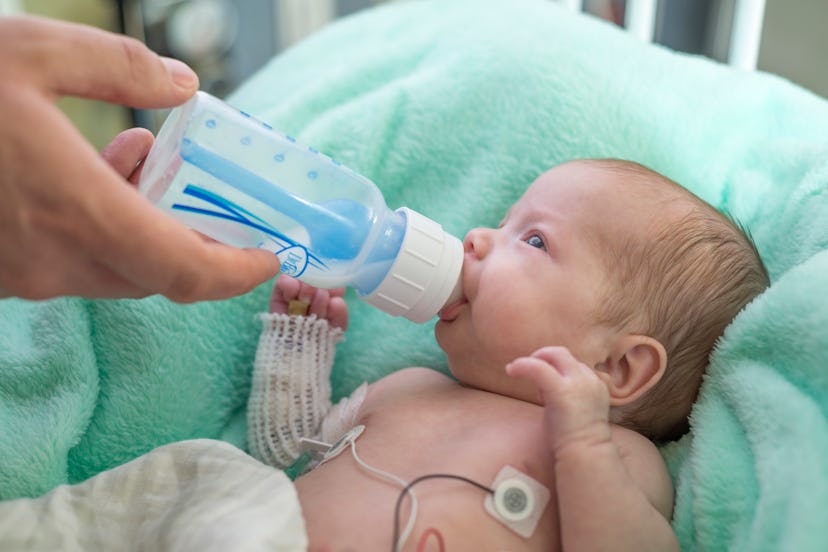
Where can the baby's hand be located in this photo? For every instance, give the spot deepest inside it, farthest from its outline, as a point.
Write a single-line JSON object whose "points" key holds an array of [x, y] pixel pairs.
{"points": [[575, 400], [290, 296]]}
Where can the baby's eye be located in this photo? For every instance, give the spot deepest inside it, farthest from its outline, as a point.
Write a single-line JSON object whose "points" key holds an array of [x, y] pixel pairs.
{"points": [[536, 241]]}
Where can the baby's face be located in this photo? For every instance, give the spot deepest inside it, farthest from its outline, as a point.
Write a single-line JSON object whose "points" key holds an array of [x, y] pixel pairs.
{"points": [[537, 279]]}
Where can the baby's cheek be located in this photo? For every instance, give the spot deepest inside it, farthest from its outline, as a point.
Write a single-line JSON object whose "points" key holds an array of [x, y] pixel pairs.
{"points": [[503, 328]]}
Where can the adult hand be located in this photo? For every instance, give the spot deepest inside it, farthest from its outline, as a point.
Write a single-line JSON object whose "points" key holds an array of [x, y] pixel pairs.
{"points": [[70, 223]]}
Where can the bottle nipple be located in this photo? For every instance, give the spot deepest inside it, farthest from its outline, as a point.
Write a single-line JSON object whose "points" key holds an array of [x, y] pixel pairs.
{"points": [[425, 276], [456, 293]]}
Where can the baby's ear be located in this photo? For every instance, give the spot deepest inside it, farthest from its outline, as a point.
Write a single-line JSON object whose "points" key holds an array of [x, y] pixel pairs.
{"points": [[636, 363]]}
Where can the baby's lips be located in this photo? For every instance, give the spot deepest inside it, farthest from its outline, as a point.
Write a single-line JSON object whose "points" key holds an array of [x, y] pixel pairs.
{"points": [[451, 312]]}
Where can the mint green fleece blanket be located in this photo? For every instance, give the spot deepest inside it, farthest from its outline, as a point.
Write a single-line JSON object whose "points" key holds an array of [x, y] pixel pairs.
{"points": [[453, 107]]}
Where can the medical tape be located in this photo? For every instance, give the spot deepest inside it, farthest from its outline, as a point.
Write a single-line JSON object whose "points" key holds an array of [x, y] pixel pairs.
{"points": [[518, 501]]}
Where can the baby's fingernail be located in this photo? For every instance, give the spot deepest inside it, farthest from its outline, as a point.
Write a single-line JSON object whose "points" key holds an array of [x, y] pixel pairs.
{"points": [[181, 74]]}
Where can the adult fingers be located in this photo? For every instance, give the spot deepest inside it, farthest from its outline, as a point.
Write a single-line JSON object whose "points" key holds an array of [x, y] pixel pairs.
{"points": [[114, 225], [212, 271], [71, 59], [127, 149], [158, 253]]}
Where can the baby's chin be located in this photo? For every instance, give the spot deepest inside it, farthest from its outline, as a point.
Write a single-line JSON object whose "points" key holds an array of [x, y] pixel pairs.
{"points": [[468, 374], [440, 338], [458, 369]]}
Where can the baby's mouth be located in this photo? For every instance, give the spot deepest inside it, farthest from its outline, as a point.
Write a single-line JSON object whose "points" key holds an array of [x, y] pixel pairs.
{"points": [[452, 311]]}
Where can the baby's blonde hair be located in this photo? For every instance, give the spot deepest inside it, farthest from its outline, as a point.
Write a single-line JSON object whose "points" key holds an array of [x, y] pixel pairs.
{"points": [[682, 287]]}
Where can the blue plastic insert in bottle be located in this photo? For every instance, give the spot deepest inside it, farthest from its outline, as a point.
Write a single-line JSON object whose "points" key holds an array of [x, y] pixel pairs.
{"points": [[241, 182]]}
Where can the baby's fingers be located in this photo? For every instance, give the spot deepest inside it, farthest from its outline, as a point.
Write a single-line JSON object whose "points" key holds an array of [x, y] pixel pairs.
{"points": [[302, 303], [541, 373], [319, 303], [560, 358], [338, 312], [332, 307], [285, 290], [290, 296], [337, 292]]}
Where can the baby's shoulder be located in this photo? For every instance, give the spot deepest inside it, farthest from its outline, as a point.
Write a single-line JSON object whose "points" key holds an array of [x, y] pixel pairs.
{"points": [[646, 466], [405, 383], [413, 378]]}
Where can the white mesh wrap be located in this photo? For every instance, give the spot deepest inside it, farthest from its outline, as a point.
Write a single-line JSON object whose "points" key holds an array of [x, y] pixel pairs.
{"points": [[291, 390]]}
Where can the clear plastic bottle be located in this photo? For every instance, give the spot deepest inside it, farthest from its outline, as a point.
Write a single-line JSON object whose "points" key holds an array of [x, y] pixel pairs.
{"points": [[241, 182]]}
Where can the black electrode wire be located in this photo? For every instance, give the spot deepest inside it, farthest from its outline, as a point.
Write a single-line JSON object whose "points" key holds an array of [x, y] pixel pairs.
{"points": [[407, 489]]}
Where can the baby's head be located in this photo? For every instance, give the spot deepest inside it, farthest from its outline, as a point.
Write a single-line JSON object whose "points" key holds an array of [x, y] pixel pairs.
{"points": [[634, 274]]}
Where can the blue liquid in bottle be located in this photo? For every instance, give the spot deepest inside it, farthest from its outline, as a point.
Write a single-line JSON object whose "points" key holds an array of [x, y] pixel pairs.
{"points": [[243, 183]]}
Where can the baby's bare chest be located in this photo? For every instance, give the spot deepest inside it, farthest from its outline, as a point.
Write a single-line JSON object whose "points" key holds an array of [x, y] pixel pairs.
{"points": [[448, 431]]}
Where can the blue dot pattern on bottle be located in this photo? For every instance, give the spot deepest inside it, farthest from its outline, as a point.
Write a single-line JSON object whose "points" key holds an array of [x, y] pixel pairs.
{"points": [[337, 228]]}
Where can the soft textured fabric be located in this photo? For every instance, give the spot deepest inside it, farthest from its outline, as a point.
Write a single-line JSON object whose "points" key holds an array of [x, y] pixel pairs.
{"points": [[453, 107], [194, 495], [291, 390]]}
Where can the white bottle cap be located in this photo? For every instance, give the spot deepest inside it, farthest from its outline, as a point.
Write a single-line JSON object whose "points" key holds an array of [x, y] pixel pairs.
{"points": [[425, 276]]}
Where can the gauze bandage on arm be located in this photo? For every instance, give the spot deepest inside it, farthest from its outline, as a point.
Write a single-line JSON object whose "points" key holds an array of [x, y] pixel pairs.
{"points": [[344, 415], [291, 391]]}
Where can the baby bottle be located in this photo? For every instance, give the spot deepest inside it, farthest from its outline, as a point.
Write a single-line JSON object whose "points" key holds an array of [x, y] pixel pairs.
{"points": [[243, 183]]}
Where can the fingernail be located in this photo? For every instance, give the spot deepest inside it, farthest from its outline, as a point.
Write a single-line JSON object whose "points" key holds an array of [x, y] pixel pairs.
{"points": [[182, 75]]}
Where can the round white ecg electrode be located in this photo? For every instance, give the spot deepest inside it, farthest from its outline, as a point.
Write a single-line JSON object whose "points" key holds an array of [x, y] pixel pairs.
{"points": [[513, 499], [518, 501]]}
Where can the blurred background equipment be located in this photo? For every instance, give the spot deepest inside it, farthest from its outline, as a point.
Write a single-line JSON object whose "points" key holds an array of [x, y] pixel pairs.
{"points": [[225, 41]]}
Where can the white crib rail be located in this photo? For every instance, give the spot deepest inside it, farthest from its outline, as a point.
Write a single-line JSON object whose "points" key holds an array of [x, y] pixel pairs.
{"points": [[574, 5], [640, 18], [298, 18], [745, 32]]}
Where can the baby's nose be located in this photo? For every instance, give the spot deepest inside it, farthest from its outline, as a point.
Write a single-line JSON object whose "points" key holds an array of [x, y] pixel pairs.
{"points": [[478, 242]]}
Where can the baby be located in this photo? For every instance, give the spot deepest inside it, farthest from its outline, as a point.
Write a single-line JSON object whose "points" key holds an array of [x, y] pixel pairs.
{"points": [[587, 321]]}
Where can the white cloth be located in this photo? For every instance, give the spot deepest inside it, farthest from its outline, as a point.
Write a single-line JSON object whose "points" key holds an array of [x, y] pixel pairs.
{"points": [[198, 495], [343, 416]]}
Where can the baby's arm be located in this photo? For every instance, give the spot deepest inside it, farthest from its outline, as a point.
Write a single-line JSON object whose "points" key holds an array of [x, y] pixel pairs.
{"points": [[612, 488], [290, 394]]}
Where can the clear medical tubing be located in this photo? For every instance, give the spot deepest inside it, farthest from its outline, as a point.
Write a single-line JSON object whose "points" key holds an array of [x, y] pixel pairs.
{"points": [[241, 182]]}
